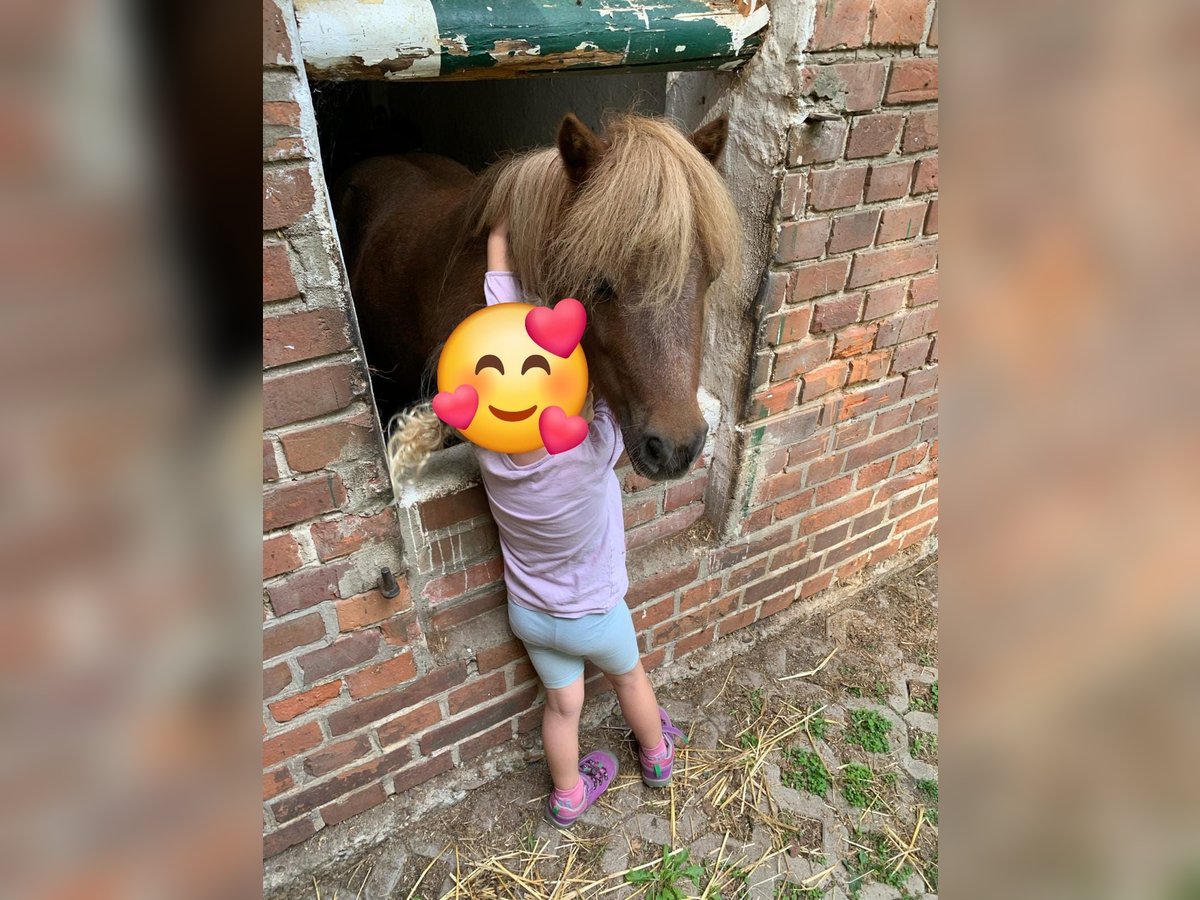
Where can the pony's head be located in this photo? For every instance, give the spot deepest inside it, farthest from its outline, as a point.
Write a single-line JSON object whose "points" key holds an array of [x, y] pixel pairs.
{"points": [[637, 224]]}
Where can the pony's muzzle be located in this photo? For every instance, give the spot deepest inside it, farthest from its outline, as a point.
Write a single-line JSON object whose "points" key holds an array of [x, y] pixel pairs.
{"points": [[665, 458]]}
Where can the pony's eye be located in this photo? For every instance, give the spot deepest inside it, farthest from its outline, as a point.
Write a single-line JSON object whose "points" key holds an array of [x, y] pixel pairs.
{"points": [[535, 362], [605, 292], [489, 361]]}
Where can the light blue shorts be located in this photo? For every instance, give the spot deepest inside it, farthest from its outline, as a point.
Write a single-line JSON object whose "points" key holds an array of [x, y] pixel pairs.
{"points": [[557, 647]]}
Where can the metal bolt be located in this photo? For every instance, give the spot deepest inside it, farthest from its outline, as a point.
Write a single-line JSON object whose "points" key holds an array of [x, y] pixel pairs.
{"points": [[387, 583]]}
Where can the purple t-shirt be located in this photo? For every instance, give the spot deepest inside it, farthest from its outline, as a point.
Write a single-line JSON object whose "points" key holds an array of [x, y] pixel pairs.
{"points": [[561, 528]]}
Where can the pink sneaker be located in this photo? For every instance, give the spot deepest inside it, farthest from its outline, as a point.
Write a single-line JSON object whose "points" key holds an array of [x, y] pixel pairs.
{"points": [[597, 770], [657, 773]]}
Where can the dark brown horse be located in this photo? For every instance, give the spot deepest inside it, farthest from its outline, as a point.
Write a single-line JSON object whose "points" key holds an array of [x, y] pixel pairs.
{"points": [[636, 224]]}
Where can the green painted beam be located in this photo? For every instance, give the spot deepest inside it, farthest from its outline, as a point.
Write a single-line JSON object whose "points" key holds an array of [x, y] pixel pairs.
{"points": [[456, 39]]}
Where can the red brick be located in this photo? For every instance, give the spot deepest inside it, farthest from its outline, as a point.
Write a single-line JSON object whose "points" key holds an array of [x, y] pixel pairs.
{"points": [[926, 179], [815, 141], [277, 46], [787, 556], [502, 655], [892, 418], [802, 358], [819, 279], [633, 482], [861, 403], [836, 188], [791, 194], [916, 536], [275, 679], [302, 499], [648, 616], [808, 450], [911, 355], [882, 301], [779, 486], [850, 232], [869, 367], [639, 511], [868, 520], [804, 239], [352, 805], [735, 622], [290, 743], [304, 335], [270, 467], [858, 545], [880, 447], [379, 707], [287, 196], [824, 379], [838, 512], [932, 40], [759, 519], [921, 131], [920, 382], [701, 638], [898, 22], [315, 448], [289, 835], [777, 605], [306, 588], [461, 549], [913, 79], [830, 538], [843, 23], [456, 584], [825, 468], [280, 554], [924, 514], [854, 340], [907, 326], [683, 493], [910, 458], [871, 266], [337, 756], [815, 585], [391, 673], [830, 315], [874, 135], [667, 525], [889, 181], [773, 400], [744, 574], [849, 434], [372, 607], [923, 289], [454, 508], [791, 428], [453, 732], [901, 223], [472, 748], [855, 86], [661, 583], [297, 396], [403, 727], [833, 490], [931, 220], [700, 594], [275, 783], [772, 296], [278, 281], [488, 687], [281, 637], [287, 709], [342, 536], [904, 504], [344, 653], [788, 326]]}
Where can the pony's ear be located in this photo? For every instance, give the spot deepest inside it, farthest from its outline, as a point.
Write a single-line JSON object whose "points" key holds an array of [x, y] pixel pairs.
{"points": [[579, 147], [710, 139]]}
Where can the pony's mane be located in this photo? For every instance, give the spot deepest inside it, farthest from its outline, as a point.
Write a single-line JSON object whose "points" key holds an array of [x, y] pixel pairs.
{"points": [[648, 207]]}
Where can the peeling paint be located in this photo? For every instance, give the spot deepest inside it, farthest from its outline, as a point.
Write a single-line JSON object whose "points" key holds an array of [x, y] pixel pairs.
{"points": [[391, 36], [455, 46], [680, 48], [503, 51], [740, 27]]}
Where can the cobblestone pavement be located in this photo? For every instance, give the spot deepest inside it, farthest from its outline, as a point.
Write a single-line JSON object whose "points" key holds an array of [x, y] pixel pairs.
{"points": [[811, 772]]}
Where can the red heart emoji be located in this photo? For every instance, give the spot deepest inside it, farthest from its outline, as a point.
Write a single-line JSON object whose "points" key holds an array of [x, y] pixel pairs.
{"points": [[559, 431], [559, 329], [457, 409]]}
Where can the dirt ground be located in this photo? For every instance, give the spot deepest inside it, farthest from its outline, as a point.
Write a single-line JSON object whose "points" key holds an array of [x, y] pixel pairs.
{"points": [[810, 772]]}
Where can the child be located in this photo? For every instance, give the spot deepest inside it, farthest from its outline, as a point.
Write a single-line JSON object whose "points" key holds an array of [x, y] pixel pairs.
{"points": [[563, 540]]}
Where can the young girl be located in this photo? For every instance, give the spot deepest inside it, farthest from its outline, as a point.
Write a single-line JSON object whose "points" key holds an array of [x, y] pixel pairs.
{"points": [[563, 540]]}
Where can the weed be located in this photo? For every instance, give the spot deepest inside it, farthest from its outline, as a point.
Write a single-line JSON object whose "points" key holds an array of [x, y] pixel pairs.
{"points": [[868, 729], [855, 692], [925, 658], [857, 783], [928, 789], [879, 690], [662, 880], [789, 891], [870, 862], [756, 702], [924, 743], [748, 740], [888, 778], [730, 877], [803, 770], [817, 726], [926, 704]]}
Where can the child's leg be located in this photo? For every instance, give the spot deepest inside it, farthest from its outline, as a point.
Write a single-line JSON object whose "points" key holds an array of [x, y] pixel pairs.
{"points": [[639, 705], [560, 733]]}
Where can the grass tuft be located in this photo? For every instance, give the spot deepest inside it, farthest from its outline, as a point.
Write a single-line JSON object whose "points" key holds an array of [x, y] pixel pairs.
{"points": [[869, 730]]}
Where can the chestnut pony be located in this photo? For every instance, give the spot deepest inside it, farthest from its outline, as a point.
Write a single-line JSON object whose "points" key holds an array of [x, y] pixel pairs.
{"points": [[636, 224]]}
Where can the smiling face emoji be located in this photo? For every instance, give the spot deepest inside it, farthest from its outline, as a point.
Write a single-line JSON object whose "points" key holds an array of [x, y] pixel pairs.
{"points": [[513, 378]]}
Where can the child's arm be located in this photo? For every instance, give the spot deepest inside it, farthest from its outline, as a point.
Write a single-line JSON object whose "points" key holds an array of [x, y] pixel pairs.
{"points": [[499, 283]]}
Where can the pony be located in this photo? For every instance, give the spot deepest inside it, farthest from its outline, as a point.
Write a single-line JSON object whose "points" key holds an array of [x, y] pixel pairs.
{"points": [[636, 223]]}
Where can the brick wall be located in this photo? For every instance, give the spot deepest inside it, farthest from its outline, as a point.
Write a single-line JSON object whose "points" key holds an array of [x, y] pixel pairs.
{"points": [[364, 696]]}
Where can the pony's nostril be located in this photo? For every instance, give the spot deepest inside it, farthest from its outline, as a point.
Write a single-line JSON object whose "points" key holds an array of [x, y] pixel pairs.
{"points": [[656, 450]]}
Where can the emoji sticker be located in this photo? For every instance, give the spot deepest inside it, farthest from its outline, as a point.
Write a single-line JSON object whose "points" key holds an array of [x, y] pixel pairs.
{"points": [[512, 377]]}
